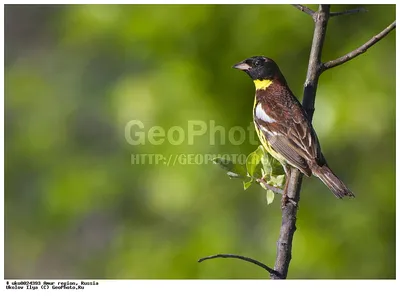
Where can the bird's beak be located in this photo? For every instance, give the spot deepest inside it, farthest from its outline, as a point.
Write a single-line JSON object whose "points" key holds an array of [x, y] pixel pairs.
{"points": [[242, 66]]}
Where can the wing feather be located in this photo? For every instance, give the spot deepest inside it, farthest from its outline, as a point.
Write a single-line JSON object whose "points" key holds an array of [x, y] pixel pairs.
{"points": [[293, 138], [284, 147]]}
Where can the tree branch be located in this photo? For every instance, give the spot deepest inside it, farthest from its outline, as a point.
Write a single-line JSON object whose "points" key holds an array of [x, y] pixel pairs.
{"points": [[314, 63], [362, 49], [351, 11], [270, 187], [289, 212], [262, 265], [304, 9]]}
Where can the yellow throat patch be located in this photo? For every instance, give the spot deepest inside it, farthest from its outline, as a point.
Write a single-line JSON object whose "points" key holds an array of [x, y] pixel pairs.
{"points": [[262, 84]]}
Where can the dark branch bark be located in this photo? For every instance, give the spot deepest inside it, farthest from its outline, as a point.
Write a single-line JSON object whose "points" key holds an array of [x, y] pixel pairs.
{"points": [[262, 265], [314, 63], [288, 226], [289, 212], [362, 49], [304, 9], [351, 11]]}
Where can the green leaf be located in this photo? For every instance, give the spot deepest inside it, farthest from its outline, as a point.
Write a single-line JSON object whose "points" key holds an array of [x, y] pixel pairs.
{"points": [[277, 168], [270, 196], [277, 181], [247, 184], [266, 163], [235, 170], [263, 185], [253, 163]]}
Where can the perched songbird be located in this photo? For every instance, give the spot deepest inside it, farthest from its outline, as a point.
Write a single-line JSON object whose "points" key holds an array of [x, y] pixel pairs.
{"points": [[283, 127]]}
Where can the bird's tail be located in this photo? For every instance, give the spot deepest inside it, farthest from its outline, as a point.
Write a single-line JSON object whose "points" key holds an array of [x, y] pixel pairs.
{"points": [[332, 181]]}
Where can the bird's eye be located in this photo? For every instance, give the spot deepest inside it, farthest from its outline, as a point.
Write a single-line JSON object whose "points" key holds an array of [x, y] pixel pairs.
{"points": [[257, 63]]}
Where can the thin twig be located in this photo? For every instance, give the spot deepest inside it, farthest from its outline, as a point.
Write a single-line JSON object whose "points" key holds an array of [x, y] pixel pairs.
{"points": [[270, 187], [350, 11], [269, 269], [304, 9], [362, 49]]}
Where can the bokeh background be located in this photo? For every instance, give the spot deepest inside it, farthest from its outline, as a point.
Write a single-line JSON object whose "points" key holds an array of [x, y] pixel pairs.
{"points": [[75, 206]]}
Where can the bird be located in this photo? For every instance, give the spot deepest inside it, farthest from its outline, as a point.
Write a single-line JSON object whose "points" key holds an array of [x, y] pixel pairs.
{"points": [[283, 127]]}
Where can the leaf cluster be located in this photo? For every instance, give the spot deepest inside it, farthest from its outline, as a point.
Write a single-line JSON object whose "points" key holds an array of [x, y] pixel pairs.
{"points": [[260, 167]]}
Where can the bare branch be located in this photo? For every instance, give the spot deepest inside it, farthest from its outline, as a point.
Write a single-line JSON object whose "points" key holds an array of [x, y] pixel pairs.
{"points": [[351, 11], [270, 187], [304, 9], [362, 49], [289, 212], [258, 263], [314, 64]]}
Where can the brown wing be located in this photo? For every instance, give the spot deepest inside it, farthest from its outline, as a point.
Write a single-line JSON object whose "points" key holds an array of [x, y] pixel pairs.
{"points": [[285, 147], [284, 124]]}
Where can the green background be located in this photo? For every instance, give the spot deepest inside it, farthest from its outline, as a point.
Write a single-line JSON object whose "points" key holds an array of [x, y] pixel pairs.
{"points": [[75, 206]]}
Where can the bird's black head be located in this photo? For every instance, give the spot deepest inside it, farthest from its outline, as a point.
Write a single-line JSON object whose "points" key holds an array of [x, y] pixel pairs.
{"points": [[259, 68]]}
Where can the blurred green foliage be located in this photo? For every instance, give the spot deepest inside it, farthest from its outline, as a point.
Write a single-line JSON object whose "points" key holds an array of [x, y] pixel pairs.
{"points": [[75, 206]]}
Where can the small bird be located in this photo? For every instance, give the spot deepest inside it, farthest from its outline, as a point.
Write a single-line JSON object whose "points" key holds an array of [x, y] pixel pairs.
{"points": [[283, 127]]}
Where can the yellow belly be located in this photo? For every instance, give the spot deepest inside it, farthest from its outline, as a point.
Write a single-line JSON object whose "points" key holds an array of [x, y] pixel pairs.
{"points": [[266, 144], [268, 147]]}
